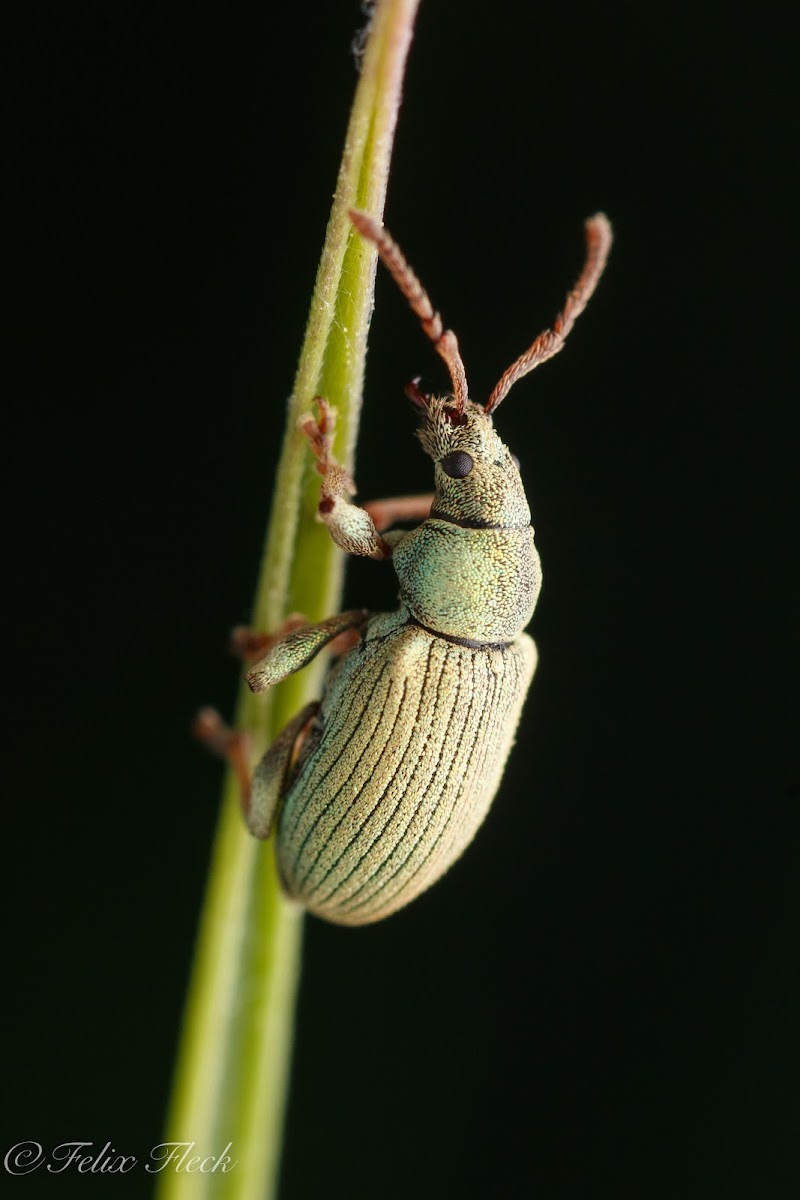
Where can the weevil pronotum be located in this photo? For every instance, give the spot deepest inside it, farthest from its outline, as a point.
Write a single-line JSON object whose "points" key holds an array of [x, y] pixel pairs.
{"points": [[377, 788]]}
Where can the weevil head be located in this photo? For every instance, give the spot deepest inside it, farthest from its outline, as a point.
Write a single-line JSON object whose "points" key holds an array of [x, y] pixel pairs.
{"points": [[477, 479]]}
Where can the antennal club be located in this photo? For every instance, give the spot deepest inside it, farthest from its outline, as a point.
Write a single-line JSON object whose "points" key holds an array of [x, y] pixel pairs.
{"points": [[444, 340], [598, 244]]}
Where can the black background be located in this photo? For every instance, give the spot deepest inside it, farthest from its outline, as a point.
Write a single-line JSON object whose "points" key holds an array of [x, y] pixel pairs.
{"points": [[601, 998]]}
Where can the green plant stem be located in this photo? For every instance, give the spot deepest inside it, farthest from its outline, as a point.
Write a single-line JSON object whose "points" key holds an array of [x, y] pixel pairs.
{"points": [[232, 1070]]}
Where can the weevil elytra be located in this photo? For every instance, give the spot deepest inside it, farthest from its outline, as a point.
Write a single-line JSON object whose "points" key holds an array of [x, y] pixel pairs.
{"points": [[377, 788]]}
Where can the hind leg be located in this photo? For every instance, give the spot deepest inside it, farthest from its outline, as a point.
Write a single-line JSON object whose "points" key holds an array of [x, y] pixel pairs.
{"points": [[261, 795], [272, 774]]}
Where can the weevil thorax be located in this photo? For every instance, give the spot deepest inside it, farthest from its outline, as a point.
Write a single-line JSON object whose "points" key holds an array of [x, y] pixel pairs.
{"points": [[471, 571]]}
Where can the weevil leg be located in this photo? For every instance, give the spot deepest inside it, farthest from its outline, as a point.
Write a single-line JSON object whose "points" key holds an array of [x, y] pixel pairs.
{"points": [[262, 793], [296, 649], [230, 744], [344, 642], [250, 644], [390, 510], [271, 776], [352, 528], [287, 653]]}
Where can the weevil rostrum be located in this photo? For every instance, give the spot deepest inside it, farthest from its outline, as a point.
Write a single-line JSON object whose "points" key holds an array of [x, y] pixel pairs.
{"points": [[376, 789]]}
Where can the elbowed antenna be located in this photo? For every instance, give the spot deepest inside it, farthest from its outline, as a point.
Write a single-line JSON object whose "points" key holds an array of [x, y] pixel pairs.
{"points": [[598, 244], [444, 340]]}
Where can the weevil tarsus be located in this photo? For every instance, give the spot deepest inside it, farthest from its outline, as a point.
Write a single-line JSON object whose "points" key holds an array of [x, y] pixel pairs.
{"points": [[231, 744], [355, 528], [352, 528]]}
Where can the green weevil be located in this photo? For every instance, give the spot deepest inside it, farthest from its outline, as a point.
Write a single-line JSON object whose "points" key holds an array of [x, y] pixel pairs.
{"points": [[377, 788]]}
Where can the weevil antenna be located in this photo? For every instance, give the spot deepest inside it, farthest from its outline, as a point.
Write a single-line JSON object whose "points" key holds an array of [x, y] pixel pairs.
{"points": [[598, 244], [444, 340]]}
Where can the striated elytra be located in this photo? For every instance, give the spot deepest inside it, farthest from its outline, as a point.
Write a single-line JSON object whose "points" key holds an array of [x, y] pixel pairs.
{"points": [[376, 789]]}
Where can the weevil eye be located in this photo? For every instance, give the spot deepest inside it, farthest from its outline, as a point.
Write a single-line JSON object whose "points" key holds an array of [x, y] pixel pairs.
{"points": [[456, 465], [515, 461]]}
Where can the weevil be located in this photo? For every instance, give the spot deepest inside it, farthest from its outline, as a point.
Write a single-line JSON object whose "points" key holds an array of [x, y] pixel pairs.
{"points": [[376, 789]]}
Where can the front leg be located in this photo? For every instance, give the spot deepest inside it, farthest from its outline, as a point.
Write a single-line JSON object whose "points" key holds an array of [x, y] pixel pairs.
{"points": [[352, 528]]}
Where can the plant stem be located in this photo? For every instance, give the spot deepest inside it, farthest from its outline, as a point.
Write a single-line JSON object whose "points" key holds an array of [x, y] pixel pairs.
{"points": [[233, 1064]]}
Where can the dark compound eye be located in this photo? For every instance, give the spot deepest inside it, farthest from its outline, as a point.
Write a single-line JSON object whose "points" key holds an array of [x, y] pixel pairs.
{"points": [[456, 465]]}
